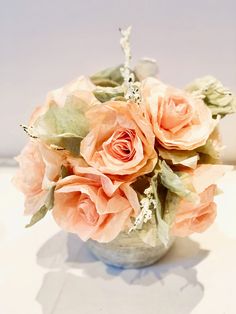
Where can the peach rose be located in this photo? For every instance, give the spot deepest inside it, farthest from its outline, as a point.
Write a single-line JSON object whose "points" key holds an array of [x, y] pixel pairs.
{"points": [[195, 218], [121, 141], [39, 169], [89, 204], [179, 120], [198, 217], [81, 88]]}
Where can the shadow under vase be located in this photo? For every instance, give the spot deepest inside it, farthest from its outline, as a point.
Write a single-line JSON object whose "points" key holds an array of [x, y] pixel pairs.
{"points": [[76, 280]]}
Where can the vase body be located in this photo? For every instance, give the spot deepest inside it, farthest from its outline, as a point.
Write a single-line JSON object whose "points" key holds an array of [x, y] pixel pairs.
{"points": [[128, 251]]}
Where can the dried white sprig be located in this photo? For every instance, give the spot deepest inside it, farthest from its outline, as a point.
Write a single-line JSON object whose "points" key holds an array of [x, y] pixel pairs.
{"points": [[132, 88], [125, 44], [145, 215]]}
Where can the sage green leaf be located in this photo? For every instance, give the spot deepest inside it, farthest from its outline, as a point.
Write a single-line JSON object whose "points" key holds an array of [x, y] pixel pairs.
{"points": [[40, 214], [63, 127], [171, 203], [146, 68], [105, 82], [108, 77], [148, 233], [211, 151], [50, 198], [218, 98], [69, 143], [119, 98], [173, 182], [162, 226], [104, 94], [64, 172], [177, 157]]}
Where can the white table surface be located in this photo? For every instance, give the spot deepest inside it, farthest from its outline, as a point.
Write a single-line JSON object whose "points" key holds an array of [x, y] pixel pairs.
{"points": [[44, 270]]}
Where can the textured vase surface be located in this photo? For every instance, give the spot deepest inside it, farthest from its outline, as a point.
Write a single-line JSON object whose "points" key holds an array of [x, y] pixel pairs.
{"points": [[128, 251]]}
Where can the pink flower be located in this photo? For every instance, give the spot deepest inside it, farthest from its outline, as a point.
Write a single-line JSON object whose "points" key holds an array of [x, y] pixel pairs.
{"points": [[89, 204], [39, 169], [191, 217], [195, 218], [121, 141], [179, 120], [82, 88]]}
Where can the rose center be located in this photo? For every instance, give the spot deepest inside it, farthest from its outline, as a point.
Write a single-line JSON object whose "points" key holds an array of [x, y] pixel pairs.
{"points": [[87, 210], [121, 145], [176, 113]]}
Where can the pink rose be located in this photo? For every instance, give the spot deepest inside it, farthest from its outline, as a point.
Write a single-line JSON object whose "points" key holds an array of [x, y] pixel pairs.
{"points": [[92, 206], [179, 120], [82, 88], [121, 141], [198, 217], [195, 218], [39, 169]]}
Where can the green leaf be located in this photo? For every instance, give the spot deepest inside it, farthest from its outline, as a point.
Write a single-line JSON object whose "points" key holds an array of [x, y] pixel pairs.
{"points": [[148, 233], [162, 226], [146, 68], [105, 82], [219, 99], [40, 214], [63, 127], [119, 98], [64, 142], [64, 172], [210, 152], [177, 157], [109, 77], [50, 198], [173, 182], [171, 203], [104, 94], [209, 149], [157, 229]]}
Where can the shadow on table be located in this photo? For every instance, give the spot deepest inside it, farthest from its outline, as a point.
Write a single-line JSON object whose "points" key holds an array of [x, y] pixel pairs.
{"points": [[76, 276]]}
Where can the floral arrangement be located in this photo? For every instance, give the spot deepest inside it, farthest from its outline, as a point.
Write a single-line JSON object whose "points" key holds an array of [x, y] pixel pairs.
{"points": [[122, 151]]}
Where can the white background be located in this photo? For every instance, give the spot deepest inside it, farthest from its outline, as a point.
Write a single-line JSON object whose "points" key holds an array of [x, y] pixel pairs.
{"points": [[45, 44]]}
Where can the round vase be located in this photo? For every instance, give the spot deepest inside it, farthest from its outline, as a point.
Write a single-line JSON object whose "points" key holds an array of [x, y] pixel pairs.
{"points": [[128, 251]]}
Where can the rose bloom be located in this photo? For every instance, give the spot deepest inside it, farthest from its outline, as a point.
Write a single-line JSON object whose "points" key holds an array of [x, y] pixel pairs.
{"points": [[191, 217], [89, 204], [179, 120], [39, 169], [82, 88], [121, 142], [195, 218]]}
